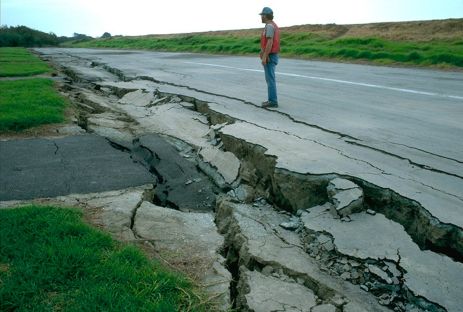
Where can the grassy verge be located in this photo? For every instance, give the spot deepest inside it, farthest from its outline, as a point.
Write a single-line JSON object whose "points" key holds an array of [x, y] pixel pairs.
{"points": [[28, 103], [20, 62], [193, 43], [51, 261], [443, 53]]}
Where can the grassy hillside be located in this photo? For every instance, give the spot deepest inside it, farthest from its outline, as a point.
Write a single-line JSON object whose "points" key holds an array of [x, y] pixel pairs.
{"points": [[423, 43]]}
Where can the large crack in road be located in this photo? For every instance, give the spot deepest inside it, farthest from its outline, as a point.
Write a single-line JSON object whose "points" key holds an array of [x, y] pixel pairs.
{"points": [[380, 251]]}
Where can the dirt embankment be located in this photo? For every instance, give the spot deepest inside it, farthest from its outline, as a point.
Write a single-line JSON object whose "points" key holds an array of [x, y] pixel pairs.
{"points": [[449, 29]]}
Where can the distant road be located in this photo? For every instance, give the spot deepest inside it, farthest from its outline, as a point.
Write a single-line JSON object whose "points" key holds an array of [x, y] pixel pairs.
{"points": [[416, 114]]}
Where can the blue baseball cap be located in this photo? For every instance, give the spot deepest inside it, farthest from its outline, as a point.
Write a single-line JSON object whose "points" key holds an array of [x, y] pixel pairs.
{"points": [[266, 11]]}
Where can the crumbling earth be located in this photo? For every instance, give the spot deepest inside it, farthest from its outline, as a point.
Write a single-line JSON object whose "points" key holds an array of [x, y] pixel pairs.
{"points": [[328, 226]]}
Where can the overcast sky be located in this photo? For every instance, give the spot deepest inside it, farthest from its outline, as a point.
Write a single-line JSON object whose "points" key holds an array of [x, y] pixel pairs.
{"points": [[141, 17]]}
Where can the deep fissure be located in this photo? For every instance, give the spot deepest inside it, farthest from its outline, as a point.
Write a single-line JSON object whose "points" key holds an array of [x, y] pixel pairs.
{"points": [[419, 224]]}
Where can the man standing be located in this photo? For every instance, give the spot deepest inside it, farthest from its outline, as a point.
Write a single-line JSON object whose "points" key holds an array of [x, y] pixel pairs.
{"points": [[269, 49]]}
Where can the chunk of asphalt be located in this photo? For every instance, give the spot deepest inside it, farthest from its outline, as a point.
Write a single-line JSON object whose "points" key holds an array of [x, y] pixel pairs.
{"points": [[117, 209], [138, 98], [226, 164], [346, 196]]}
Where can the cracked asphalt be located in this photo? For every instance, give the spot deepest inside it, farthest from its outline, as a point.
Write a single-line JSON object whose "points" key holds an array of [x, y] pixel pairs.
{"points": [[37, 168], [396, 128]]}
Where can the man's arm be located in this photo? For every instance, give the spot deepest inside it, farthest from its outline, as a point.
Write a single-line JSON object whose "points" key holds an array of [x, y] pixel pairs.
{"points": [[267, 50], [269, 33]]}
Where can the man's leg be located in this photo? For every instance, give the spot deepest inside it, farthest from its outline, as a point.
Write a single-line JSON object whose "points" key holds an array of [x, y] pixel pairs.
{"points": [[270, 77]]}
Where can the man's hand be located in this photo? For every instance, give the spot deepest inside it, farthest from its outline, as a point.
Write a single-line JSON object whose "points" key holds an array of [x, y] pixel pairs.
{"points": [[264, 58]]}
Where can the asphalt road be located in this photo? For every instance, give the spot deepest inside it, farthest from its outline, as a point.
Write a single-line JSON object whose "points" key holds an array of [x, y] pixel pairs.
{"points": [[415, 114]]}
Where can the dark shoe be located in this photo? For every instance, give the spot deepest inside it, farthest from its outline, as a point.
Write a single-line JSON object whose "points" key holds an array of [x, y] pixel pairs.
{"points": [[269, 104]]}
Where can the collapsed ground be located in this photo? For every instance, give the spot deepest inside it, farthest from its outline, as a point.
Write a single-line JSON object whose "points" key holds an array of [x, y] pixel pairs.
{"points": [[314, 235]]}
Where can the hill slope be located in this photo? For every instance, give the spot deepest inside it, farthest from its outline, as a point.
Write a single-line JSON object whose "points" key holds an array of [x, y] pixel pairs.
{"points": [[449, 29]]}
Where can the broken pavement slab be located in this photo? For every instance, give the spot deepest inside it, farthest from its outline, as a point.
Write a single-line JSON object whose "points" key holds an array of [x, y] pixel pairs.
{"points": [[192, 233], [308, 156], [171, 119], [226, 164], [138, 98], [427, 274], [110, 125], [116, 209], [192, 238], [268, 293]]}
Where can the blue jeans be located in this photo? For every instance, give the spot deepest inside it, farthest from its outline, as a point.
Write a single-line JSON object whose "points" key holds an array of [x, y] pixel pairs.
{"points": [[269, 70]]}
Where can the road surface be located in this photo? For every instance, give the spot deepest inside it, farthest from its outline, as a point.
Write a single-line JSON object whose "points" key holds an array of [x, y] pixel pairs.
{"points": [[415, 114], [396, 128]]}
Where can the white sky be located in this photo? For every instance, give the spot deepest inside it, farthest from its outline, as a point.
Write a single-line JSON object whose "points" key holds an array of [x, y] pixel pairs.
{"points": [[141, 17]]}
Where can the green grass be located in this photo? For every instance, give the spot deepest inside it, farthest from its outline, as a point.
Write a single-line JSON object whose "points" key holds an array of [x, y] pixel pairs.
{"points": [[20, 62], [193, 43], [303, 45], [50, 260], [378, 50], [28, 103]]}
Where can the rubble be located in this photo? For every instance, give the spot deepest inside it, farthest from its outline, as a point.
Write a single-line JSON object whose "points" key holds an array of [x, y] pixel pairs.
{"points": [[423, 273], [253, 241]]}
